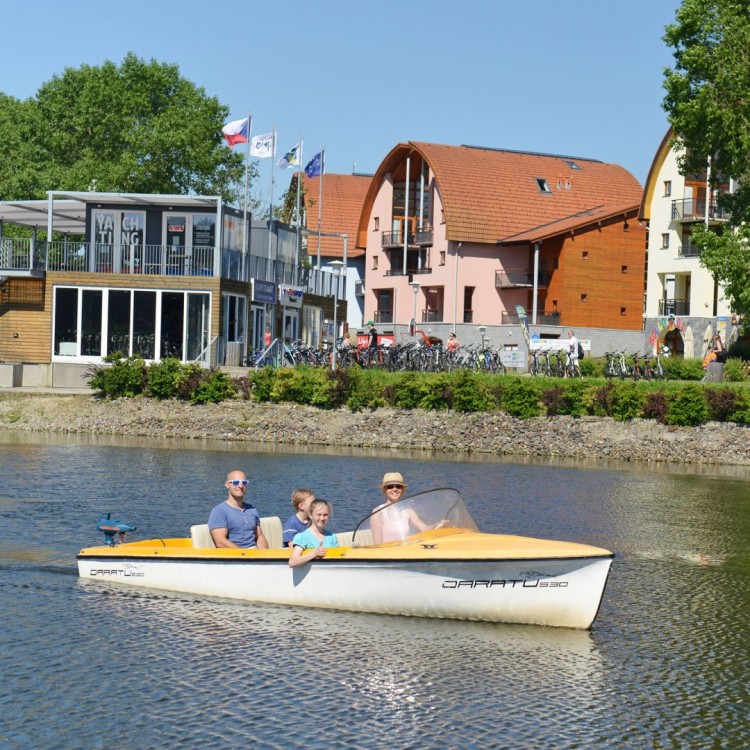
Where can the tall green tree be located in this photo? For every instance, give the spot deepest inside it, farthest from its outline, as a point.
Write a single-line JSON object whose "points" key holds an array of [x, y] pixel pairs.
{"points": [[708, 104], [135, 127]]}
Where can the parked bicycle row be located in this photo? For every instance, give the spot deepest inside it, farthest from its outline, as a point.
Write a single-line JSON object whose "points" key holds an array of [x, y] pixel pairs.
{"points": [[406, 357], [635, 366]]}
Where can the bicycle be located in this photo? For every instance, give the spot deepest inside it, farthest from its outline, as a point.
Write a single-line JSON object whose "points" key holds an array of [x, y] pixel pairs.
{"points": [[624, 370], [572, 368], [611, 365]]}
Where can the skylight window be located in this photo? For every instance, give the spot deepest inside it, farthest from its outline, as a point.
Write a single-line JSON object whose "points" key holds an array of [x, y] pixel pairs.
{"points": [[572, 164], [542, 185]]}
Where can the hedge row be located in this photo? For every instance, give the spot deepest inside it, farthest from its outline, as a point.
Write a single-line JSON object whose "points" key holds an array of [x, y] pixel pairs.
{"points": [[673, 403], [669, 403]]}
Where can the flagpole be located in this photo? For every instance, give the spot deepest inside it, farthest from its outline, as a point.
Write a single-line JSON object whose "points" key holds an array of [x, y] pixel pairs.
{"points": [[320, 196], [300, 162], [247, 183], [270, 204]]}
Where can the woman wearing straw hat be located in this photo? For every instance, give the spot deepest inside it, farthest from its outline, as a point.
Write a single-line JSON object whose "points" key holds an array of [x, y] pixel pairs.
{"points": [[390, 523]]}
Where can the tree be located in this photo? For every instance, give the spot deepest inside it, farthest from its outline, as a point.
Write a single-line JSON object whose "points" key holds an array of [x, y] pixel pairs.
{"points": [[138, 127], [708, 104]]}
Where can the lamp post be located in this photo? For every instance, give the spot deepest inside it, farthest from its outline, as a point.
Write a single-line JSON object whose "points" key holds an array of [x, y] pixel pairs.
{"points": [[336, 267], [482, 329], [415, 289]]}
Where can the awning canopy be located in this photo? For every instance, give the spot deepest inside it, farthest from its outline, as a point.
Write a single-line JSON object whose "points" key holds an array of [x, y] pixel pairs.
{"points": [[69, 208]]}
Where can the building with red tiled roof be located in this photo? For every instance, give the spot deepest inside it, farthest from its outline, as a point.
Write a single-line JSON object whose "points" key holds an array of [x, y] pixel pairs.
{"points": [[480, 232]]}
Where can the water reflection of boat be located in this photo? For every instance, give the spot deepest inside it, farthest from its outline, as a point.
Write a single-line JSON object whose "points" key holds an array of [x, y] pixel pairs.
{"points": [[450, 571]]}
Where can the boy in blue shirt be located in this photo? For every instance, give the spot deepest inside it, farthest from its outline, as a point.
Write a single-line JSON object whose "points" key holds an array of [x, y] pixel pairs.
{"points": [[299, 520]]}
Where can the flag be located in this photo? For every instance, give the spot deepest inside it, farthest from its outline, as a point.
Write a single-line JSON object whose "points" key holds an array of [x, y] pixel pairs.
{"points": [[315, 165], [236, 131], [262, 146], [290, 158]]}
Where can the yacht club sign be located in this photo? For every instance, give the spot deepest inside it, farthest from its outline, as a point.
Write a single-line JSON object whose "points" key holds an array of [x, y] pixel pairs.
{"points": [[290, 296]]}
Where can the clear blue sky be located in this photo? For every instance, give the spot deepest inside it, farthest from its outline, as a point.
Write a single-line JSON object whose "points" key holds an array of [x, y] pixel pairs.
{"points": [[574, 77]]}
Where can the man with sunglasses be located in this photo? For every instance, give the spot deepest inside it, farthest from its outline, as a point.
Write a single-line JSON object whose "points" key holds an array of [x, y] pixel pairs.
{"points": [[235, 523]]}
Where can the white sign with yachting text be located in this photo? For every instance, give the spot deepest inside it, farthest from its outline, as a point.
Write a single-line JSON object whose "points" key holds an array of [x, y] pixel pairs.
{"points": [[290, 296]]}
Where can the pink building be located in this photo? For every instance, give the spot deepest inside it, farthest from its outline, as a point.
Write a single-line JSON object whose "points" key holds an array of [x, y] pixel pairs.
{"points": [[459, 234]]}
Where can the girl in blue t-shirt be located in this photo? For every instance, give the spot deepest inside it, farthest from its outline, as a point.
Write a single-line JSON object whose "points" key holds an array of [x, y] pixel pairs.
{"points": [[313, 542]]}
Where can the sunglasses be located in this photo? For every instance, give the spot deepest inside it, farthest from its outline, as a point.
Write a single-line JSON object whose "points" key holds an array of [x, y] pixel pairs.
{"points": [[394, 487], [238, 482]]}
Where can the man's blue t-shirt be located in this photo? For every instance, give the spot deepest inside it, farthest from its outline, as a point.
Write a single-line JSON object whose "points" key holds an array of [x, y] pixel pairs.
{"points": [[292, 527], [307, 540], [240, 524]]}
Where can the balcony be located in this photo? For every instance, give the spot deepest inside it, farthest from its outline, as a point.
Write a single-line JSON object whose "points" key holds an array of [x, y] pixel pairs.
{"points": [[383, 316], [515, 279], [542, 319], [432, 316], [421, 238], [674, 307], [409, 271], [688, 251], [468, 316], [694, 209]]}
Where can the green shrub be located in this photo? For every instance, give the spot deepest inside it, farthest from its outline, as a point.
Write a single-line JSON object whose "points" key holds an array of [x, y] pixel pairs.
{"points": [[262, 383], [164, 379], [687, 406], [469, 393], [409, 391], [439, 393], [724, 404], [216, 386], [520, 398], [734, 371], [124, 376], [366, 389], [627, 401], [591, 368], [678, 368], [295, 384], [331, 388]]}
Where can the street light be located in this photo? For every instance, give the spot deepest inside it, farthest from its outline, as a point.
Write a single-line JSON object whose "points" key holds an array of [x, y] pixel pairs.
{"points": [[482, 329], [336, 268], [415, 289]]}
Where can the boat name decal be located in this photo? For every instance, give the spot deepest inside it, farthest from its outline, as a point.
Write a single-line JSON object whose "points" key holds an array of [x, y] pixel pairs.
{"points": [[127, 571], [510, 583]]}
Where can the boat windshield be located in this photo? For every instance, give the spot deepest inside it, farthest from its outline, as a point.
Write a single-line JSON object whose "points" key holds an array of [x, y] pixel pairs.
{"points": [[400, 522]]}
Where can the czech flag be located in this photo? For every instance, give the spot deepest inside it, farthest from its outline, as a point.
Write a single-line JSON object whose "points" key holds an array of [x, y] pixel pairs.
{"points": [[236, 132]]}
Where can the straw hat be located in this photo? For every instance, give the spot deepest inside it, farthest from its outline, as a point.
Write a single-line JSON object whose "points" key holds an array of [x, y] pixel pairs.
{"points": [[393, 477]]}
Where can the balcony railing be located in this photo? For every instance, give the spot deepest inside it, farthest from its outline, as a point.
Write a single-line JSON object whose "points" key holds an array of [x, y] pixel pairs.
{"points": [[409, 271], [421, 238], [694, 209], [519, 278], [383, 316], [20, 256], [468, 316], [688, 251], [432, 316], [674, 307], [544, 318]]}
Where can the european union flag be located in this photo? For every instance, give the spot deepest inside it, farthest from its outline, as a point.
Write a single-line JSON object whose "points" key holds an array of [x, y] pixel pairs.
{"points": [[315, 165]]}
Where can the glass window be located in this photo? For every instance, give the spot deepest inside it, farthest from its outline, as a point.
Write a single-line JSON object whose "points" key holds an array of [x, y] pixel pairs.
{"points": [[144, 324], [66, 322], [542, 185], [198, 313], [91, 323], [172, 323], [118, 322]]}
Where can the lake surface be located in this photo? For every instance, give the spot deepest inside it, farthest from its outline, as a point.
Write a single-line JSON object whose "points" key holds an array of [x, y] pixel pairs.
{"points": [[96, 665]]}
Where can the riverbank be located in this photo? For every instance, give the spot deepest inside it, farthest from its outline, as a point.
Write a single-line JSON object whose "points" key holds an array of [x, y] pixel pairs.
{"points": [[443, 432]]}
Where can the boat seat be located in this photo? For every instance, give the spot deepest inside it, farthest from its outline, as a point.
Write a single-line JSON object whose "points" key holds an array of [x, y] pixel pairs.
{"points": [[270, 525], [273, 531], [346, 538], [201, 536]]}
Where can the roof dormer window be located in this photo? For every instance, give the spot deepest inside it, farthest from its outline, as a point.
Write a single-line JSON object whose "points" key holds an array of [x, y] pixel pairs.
{"points": [[542, 185]]}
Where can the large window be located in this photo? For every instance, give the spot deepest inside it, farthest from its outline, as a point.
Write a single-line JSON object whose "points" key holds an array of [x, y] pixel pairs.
{"points": [[91, 323]]}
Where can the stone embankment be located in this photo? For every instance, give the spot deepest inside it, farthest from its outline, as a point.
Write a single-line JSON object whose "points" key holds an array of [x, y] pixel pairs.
{"points": [[442, 432]]}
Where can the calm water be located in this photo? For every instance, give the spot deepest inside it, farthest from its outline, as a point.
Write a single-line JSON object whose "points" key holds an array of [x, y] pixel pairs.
{"points": [[90, 665]]}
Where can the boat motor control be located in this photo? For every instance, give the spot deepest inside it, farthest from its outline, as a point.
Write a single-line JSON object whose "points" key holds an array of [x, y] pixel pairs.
{"points": [[109, 527]]}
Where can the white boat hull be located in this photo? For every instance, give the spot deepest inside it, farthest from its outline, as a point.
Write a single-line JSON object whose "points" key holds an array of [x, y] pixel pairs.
{"points": [[556, 592]]}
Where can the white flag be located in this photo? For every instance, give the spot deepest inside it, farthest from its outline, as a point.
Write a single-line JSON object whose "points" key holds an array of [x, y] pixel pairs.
{"points": [[262, 146], [290, 158]]}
